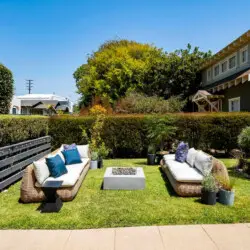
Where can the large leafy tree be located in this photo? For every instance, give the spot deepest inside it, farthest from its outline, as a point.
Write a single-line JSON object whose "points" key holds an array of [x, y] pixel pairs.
{"points": [[122, 65], [6, 89], [116, 67], [183, 69]]}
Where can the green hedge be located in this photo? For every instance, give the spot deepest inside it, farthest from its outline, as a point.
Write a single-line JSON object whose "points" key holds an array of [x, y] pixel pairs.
{"points": [[126, 135], [15, 129]]}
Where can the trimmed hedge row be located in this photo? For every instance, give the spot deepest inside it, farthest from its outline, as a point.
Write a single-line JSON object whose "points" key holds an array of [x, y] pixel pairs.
{"points": [[14, 129], [126, 135]]}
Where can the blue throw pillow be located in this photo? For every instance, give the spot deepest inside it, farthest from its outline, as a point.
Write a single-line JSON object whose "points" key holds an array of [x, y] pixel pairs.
{"points": [[69, 147], [71, 156], [181, 152], [56, 166]]}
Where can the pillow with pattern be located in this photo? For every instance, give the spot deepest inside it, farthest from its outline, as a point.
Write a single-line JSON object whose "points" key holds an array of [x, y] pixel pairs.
{"points": [[181, 152]]}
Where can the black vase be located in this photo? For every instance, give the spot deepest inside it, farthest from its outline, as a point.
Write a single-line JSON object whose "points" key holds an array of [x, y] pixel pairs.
{"points": [[208, 197], [151, 159], [100, 163]]}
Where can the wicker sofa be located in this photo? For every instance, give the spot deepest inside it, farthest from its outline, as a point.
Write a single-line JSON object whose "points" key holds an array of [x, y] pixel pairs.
{"points": [[32, 192], [190, 188]]}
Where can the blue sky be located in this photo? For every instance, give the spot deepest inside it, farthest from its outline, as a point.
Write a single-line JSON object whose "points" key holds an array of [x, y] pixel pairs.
{"points": [[46, 40]]}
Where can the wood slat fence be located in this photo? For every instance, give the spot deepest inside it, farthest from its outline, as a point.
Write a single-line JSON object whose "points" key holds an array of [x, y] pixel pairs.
{"points": [[15, 158]]}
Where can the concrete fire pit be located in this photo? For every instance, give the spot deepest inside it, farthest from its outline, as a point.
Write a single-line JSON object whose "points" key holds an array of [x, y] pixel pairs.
{"points": [[124, 179]]}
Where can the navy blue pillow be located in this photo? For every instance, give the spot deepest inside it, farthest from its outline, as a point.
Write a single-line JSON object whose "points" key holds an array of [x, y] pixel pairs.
{"points": [[56, 166], [181, 152], [72, 156]]}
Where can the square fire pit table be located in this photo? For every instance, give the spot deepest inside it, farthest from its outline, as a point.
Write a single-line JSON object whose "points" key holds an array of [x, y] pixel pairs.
{"points": [[116, 178]]}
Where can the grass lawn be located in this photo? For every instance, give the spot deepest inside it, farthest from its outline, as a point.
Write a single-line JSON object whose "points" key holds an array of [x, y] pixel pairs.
{"points": [[96, 208]]}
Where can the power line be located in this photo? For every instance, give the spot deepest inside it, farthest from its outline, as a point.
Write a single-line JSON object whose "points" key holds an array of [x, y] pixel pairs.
{"points": [[29, 85]]}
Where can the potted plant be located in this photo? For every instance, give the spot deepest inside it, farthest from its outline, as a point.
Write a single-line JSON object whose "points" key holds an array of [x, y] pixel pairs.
{"points": [[160, 131], [94, 160], [151, 155], [226, 192], [103, 152], [209, 190]]}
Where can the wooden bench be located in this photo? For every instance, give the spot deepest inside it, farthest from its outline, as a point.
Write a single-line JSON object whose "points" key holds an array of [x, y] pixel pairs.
{"points": [[15, 158]]}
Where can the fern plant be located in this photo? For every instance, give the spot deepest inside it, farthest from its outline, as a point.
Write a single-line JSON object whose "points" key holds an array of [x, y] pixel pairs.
{"points": [[160, 130]]}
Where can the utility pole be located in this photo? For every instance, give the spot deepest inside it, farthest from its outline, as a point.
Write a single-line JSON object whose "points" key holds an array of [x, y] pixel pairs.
{"points": [[29, 85]]}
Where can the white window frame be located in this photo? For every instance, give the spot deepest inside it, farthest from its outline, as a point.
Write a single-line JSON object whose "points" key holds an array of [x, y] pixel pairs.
{"points": [[218, 64], [241, 50], [235, 54], [209, 79], [226, 60], [230, 101]]}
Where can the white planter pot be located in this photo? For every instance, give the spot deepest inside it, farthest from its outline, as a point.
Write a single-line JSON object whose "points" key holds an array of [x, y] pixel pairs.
{"points": [[93, 164]]}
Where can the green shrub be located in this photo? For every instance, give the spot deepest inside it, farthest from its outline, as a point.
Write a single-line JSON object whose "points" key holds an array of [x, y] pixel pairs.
{"points": [[209, 184], [15, 129], [244, 139], [136, 103]]}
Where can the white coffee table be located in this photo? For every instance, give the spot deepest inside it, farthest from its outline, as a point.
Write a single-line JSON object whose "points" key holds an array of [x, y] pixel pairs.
{"points": [[124, 182]]}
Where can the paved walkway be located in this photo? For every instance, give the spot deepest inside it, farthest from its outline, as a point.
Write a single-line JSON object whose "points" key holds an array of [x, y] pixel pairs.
{"points": [[199, 237]]}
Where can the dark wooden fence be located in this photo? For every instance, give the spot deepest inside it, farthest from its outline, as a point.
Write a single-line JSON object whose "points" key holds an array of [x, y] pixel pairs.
{"points": [[15, 158]]}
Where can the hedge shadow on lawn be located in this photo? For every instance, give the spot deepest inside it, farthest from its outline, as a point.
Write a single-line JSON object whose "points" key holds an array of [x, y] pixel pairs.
{"points": [[167, 184], [141, 163]]}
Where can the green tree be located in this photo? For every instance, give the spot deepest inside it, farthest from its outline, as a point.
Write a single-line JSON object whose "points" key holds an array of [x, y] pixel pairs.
{"points": [[122, 65], [183, 69], [116, 67], [6, 89]]}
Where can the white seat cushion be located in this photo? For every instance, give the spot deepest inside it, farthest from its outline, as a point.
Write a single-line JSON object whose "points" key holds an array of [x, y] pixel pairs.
{"points": [[69, 179], [169, 157], [182, 172]]}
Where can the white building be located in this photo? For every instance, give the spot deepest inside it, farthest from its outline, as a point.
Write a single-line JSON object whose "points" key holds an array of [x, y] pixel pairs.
{"points": [[40, 104]]}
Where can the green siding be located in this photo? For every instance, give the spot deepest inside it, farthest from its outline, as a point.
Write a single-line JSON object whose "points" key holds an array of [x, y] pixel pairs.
{"points": [[242, 91]]}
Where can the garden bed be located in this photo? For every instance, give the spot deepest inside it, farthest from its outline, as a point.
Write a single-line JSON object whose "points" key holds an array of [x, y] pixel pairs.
{"points": [[93, 207]]}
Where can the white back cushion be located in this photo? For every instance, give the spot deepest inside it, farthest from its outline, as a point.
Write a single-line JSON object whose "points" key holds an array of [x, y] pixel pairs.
{"points": [[83, 150], [203, 162], [191, 156], [41, 171], [61, 155]]}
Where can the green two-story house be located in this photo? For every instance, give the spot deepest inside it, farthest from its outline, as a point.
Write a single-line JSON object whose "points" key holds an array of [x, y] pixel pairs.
{"points": [[227, 75]]}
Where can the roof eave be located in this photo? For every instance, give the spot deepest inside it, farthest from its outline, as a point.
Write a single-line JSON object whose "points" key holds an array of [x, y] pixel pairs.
{"points": [[230, 48]]}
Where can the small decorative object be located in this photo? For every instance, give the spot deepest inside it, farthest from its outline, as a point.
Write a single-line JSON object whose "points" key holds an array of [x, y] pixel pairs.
{"points": [[151, 155], [94, 160], [226, 193], [209, 190]]}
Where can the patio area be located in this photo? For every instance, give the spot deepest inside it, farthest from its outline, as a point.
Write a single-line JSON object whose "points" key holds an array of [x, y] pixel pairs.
{"points": [[233, 236], [94, 207]]}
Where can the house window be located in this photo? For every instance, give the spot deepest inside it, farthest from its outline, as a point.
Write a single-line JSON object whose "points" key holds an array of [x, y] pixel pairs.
{"points": [[224, 67], [209, 74], [243, 55], [216, 70], [234, 104], [232, 62]]}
